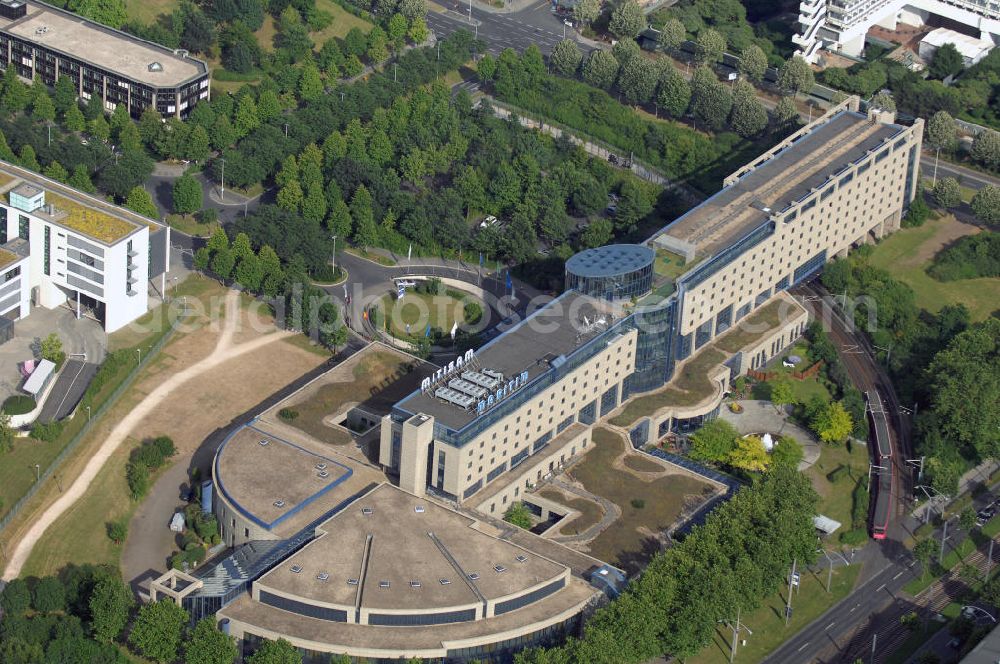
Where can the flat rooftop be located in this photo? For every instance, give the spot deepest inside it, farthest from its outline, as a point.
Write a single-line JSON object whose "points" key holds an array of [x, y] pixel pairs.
{"points": [[253, 477], [783, 179], [104, 47], [85, 214], [533, 345], [411, 540], [7, 257]]}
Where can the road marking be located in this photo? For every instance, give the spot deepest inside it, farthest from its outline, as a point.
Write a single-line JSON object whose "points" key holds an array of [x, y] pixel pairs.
{"points": [[803, 647], [897, 576], [882, 587], [853, 609], [830, 625]]}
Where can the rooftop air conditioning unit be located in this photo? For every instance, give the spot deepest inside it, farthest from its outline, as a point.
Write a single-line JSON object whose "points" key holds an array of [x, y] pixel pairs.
{"points": [[279, 503], [323, 474], [264, 442], [296, 569], [322, 576]]}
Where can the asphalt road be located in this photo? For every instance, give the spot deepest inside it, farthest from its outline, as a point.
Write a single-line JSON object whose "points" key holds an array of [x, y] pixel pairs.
{"points": [[532, 25], [968, 177]]}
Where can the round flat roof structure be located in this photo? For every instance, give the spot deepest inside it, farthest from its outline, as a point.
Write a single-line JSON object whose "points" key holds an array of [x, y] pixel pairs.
{"points": [[610, 260]]}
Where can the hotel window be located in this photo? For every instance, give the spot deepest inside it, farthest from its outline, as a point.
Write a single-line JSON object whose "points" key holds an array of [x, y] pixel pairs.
{"points": [[22, 226], [46, 255]]}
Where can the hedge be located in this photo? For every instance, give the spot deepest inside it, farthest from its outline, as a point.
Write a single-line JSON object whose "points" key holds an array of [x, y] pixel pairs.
{"points": [[19, 404]]}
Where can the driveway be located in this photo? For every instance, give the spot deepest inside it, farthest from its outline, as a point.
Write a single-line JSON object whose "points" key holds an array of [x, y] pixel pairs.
{"points": [[762, 417], [161, 183], [84, 336]]}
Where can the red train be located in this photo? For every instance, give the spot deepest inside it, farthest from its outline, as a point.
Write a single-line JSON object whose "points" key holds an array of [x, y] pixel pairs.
{"points": [[881, 485]]}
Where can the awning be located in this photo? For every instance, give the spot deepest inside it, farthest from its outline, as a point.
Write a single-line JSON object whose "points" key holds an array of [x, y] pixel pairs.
{"points": [[825, 524], [39, 378]]}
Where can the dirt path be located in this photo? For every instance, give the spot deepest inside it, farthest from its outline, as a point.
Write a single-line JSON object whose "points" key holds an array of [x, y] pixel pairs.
{"points": [[949, 231], [224, 350]]}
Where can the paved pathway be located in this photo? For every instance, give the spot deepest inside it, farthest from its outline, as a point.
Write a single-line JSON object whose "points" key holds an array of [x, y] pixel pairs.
{"points": [[762, 417], [611, 513], [224, 350]]}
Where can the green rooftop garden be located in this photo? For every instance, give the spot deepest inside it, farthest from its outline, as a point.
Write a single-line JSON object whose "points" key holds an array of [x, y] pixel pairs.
{"points": [[5, 179], [89, 221], [688, 387], [669, 264], [6, 258], [752, 328]]}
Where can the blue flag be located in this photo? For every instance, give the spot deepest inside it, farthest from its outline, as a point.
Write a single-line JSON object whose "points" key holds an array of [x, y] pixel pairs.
{"points": [[480, 259], [427, 332], [510, 282]]}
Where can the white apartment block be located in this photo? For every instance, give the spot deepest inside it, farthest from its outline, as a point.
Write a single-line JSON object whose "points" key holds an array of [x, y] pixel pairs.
{"points": [[841, 25], [61, 247]]}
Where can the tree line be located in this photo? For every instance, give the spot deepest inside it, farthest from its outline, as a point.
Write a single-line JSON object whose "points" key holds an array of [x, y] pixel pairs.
{"points": [[742, 554]]}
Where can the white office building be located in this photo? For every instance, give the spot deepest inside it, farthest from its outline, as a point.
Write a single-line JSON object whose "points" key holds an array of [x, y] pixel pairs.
{"points": [[61, 247], [841, 25]]}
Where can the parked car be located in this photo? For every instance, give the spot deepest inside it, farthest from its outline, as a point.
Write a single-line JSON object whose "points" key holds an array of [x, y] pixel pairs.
{"points": [[613, 159]]}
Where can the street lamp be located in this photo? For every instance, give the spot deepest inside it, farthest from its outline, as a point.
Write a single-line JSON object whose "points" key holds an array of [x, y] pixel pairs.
{"points": [[138, 352], [38, 471], [333, 258], [88, 413], [222, 178]]}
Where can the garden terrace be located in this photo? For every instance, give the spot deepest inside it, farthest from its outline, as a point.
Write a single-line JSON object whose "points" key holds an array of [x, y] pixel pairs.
{"points": [[7, 257]]}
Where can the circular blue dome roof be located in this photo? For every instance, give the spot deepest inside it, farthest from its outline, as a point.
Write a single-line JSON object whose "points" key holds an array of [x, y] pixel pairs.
{"points": [[610, 260]]}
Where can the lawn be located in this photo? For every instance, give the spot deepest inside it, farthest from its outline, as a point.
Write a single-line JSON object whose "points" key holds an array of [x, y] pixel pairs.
{"points": [[835, 496], [371, 374], [803, 390], [753, 328], [146, 11], [628, 542], [590, 512], [418, 310], [669, 264], [907, 254], [688, 387], [342, 22], [187, 223], [17, 469], [768, 623]]}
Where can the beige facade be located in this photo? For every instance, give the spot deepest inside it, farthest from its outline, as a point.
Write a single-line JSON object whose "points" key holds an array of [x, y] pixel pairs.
{"points": [[527, 431]]}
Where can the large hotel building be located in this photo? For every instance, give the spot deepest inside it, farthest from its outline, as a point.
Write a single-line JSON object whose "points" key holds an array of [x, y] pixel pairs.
{"points": [[42, 41], [330, 556]]}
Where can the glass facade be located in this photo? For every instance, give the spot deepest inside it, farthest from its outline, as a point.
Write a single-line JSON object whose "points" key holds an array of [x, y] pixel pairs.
{"points": [[613, 272], [654, 346]]}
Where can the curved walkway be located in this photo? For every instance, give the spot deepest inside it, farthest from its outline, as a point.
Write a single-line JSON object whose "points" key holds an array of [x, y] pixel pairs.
{"points": [[611, 513], [762, 417], [224, 350]]}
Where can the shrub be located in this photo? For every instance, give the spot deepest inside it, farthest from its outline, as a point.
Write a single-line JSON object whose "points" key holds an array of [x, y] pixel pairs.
{"points": [[854, 537], [165, 445], [473, 313], [46, 432], [971, 257], [117, 531], [288, 414], [19, 404], [637, 503], [859, 505], [147, 455], [137, 476], [518, 515]]}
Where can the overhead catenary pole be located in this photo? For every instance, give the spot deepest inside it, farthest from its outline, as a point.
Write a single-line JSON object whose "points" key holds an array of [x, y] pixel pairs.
{"points": [[736, 631], [944, 536], [989, 561], [788, 603]]}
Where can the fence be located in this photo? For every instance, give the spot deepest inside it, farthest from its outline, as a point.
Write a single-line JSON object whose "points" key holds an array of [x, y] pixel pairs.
{"points": [[95, 416]]}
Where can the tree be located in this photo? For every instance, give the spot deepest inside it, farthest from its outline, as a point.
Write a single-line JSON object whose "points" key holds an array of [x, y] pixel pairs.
{"points": [[786, 116], [339, 222], [753, 63], [198, 145], [941, 132], [884, 102], [7, 433], [986, 205], [51, 348], [566, 57], [748, 117], [967, 519], [377, 50], [42, 109], [587, 11], [156, 632], [49, 595], [223, 133], [16, 95], [601, 69], [64, 94], [711, 102], [634, 204], [832, 424], [355, 42], [672, 34], [519, 515], [16, 598], [246, 116], [965, 385], [310, 83], [709, 47], [141, 202], [397, 30], [207, 645], [110, 604], [363, 218], [627, 20], [782, 394], [948, 193], [418, 31], [625, 51], [714, 441], [924, 552], [749, 454], [276, 652], [947, 61], [598, 233], [28, 159], [130, 170], [787, 452], [486, 68], [109, 12], [117, 531], [187, 195], [73, 119], [197, 30], [986, 149], [223, 263], [290, 196], [674, 94], [80, 179], [796, 76], [638, 80]]}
